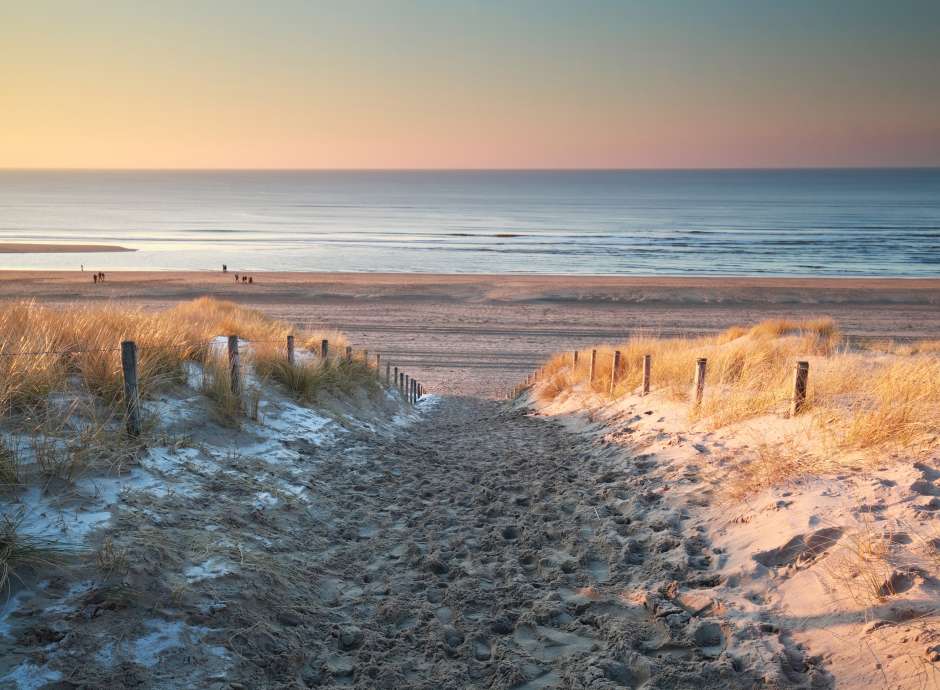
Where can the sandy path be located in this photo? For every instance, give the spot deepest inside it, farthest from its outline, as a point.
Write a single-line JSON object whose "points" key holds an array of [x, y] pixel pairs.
{"points": [[487, 548]]}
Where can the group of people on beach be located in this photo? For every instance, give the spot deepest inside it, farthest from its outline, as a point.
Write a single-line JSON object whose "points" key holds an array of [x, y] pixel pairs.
{"points": [[244, 278], [98, 276]]}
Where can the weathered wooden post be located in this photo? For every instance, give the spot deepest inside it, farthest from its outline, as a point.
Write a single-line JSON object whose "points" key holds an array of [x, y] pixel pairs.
{"points": [[395, 379], [349, 353], [378, 364], [800, 377], [290, 350], [414, 391], [614, 371], [131, 394], [324, 348], [388, 374], [365, 357], [647, 368], [593, 365], [698, 388], [234, 369], [574, 358]]}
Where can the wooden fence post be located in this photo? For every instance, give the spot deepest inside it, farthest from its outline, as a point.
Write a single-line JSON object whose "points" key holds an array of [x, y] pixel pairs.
{"points": [[378, 364], [414, 391], [349, 353], [290, 350], [131, 394], [234, 369], [698, 388], [647, 368], [614, 371], [395, 379], [388, 374], [593, 365], [800, 377], [574, 358], [365, 357], [324, 348]]}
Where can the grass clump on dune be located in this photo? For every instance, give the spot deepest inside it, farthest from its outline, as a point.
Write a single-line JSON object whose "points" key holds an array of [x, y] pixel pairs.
{"points": [[861, 400], [44, 350], [21, 552], [59, 346], [47, 353], [309, 375]]}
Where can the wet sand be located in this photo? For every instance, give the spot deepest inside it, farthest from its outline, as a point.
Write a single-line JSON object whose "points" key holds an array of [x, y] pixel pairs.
{"points": [[27, 248], [478, 334]]}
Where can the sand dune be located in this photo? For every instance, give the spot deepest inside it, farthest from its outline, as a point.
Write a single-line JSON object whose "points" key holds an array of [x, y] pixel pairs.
{"points": [[35, 248]]}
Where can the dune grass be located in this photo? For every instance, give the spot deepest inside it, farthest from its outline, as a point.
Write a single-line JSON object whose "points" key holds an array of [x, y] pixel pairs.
{"points": [[857, 399], [56, 360], [310, 376], [21, 553], [82, 344]]}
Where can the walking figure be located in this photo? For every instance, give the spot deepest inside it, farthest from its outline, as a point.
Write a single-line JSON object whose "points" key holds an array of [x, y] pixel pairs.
{"points": [[224, 268], [250, 280], [236, 277], [95, 278]]}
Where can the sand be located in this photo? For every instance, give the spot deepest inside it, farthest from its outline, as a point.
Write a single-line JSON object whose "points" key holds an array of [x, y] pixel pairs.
{"points": [[478, 335], [840, 568], [35, 248], [459, 543]]}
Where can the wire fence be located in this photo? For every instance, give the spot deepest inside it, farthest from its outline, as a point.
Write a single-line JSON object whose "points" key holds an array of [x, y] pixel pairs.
{"points": [[409, 388], [797, 401]]}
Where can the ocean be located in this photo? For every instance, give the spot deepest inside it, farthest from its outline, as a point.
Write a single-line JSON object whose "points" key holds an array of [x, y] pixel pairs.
{"points": [[871, 222]]}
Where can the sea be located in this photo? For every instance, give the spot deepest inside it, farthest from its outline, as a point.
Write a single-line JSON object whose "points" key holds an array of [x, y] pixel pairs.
{"points": [[840, 222]]}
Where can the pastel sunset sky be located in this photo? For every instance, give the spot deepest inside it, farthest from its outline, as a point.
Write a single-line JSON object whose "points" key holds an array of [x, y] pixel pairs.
{"points": [[469, 83]]}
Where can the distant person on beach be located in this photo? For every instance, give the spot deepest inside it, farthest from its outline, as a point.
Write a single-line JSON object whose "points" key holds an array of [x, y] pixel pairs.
{"points": [[250, 280], [224, 268], [95, 278], [83, 268]]}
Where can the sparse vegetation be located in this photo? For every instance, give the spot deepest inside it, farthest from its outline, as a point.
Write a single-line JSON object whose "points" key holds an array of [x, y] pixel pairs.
{"points": [[21, 552], [859, 400], [310, 376]]}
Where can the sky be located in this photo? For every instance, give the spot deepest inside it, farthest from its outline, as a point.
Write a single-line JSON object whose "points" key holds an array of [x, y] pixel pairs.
{"points": [[469, 83]]}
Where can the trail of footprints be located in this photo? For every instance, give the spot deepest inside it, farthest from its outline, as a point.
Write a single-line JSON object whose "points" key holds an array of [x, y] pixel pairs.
{"points": [[487, 548]]}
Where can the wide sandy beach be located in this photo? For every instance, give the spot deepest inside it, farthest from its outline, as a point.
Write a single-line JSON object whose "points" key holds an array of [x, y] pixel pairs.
{"points": [[478, 334]]}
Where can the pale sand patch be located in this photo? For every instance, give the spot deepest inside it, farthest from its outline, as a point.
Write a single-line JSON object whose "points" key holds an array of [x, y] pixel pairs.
{"points": [[36, 248]]}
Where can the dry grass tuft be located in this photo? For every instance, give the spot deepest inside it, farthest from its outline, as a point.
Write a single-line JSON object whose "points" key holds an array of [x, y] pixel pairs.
{"points": [[337, 342], [21, 553], [308, 377]]}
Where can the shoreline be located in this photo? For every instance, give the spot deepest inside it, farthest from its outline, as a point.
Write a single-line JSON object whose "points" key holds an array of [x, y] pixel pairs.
{"points": [[350, 276], [40, 248]]}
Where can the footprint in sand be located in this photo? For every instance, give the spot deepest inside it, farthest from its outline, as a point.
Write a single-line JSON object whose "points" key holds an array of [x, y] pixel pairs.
{"points": [[801, 549]]}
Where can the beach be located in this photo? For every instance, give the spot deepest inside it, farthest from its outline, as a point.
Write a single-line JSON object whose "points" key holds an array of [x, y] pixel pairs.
{"points": [[479, 334], [34, 248]]}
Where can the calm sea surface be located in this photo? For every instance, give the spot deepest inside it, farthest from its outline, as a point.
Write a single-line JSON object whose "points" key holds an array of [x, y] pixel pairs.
{"points": [[775, 223]]}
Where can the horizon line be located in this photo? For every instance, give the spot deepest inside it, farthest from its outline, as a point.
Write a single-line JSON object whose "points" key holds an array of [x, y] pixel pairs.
{"points": [[482, 169]]}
